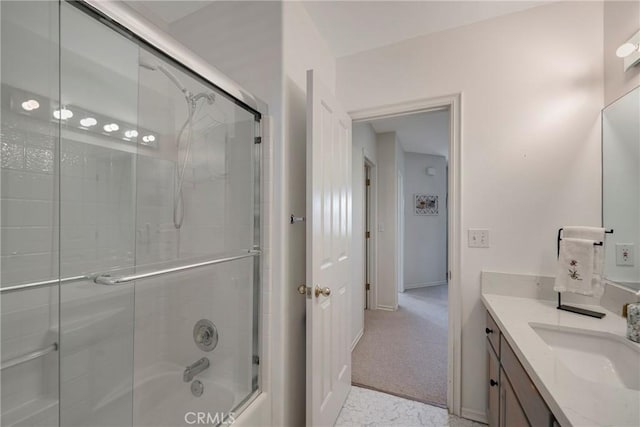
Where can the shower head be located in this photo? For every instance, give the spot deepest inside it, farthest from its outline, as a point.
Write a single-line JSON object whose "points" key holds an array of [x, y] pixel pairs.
{"points": [[210, 97], [148, 65], [164, 70]]}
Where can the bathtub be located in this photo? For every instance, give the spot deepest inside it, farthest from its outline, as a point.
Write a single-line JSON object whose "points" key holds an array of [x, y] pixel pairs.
{"points": [[164, 399]]}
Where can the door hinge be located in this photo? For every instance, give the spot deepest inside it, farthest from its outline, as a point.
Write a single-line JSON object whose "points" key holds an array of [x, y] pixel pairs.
{"points": [[256, 360], [368, 234], [367, 286], [257, 140], [368, 182], [449, 274]]}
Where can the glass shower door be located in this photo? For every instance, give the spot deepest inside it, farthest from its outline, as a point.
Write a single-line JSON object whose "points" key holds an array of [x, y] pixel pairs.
{"points": [[130, 230], [99, 105], [196, 206], [28, 219]]}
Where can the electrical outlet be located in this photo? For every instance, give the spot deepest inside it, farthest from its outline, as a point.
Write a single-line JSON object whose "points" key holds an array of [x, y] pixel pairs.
{"points": [[625, 254], [478, 238]]}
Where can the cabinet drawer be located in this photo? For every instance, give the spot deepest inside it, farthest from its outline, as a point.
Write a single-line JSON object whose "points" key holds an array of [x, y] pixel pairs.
{"points": [[493, 333], [530, 400]]}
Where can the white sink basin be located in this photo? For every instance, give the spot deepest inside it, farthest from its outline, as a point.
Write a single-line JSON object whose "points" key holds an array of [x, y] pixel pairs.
{"points": [[595, 356]]}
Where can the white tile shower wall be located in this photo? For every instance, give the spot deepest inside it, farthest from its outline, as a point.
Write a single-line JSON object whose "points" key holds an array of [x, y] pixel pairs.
{"points": [[216, 204], [97, 193], [166, 311], [96, 353], [26, 319], [217, 219], [95, 230], [28, 247], [28, 240]]}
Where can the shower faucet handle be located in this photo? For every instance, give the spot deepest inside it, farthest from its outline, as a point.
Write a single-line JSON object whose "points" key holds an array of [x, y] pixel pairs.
{"points": [[203, 335]]}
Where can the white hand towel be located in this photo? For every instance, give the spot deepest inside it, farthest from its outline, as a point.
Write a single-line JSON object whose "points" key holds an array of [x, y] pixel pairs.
{"points": [[596, 234], [575, 266]]}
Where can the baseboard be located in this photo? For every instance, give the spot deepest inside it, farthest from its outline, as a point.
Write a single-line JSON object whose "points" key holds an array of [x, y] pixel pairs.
{"points": [[424, 285], [386, 307], [357, 340], [472, 414]]}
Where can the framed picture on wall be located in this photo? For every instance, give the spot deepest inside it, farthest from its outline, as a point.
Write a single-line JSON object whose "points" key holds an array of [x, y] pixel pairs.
{"points": [[426, 204]]}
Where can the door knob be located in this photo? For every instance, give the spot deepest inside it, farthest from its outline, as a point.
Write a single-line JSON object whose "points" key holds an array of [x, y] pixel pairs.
{"points": [[302, 289], [322, 291]]}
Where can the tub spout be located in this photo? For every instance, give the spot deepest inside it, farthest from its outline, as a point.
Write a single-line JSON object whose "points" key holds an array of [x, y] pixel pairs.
{"points": [[194, 369]]}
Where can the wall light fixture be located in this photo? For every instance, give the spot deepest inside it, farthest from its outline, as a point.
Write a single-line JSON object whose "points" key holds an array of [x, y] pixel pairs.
{"points": [[630, 51]]}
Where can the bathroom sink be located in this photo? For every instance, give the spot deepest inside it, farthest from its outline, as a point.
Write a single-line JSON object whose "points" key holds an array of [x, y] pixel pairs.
{"points": [[600, 357]]}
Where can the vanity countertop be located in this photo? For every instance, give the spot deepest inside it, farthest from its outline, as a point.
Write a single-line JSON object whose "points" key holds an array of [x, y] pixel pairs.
{"points": [[572, 399]]}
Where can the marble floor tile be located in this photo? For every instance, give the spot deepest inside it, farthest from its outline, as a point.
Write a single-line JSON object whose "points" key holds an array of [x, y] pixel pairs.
{"points": [[371, 408]]}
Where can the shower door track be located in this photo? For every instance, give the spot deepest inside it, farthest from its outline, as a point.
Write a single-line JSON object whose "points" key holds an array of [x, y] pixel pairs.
{"points": [[108, 280]]}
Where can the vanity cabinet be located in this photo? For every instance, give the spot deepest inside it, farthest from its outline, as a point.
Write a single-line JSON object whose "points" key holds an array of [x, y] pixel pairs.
{"points": [[513, 400], [511, 414], [493, 404]]}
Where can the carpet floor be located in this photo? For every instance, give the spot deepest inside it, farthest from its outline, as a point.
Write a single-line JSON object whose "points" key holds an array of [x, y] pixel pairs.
{"points": [[404, 352]]}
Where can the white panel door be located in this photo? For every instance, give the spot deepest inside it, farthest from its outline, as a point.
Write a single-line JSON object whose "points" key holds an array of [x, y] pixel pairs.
{"points": [[328, 254]]}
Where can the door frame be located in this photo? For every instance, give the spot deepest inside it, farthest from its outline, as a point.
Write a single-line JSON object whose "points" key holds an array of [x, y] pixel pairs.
{"points": [[400, 235], [371, 263], [453, 102]]}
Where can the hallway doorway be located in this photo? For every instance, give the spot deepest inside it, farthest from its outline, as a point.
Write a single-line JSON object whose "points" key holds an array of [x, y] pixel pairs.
{"points": [[404, 349]]}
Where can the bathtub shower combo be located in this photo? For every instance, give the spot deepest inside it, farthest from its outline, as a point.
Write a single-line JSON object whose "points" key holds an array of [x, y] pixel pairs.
{"points": [[131, 212]]}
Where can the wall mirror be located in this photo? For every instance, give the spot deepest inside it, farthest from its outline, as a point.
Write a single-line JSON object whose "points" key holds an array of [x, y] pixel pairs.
{"points": [[621, 188]]}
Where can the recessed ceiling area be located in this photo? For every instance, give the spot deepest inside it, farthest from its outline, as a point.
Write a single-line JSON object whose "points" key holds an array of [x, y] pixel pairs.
{"points": [[350, 27], [425, 133], [355, 26]]}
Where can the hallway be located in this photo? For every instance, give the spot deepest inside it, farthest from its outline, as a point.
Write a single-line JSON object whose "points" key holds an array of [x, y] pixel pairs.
{"points": [[405, 352]]}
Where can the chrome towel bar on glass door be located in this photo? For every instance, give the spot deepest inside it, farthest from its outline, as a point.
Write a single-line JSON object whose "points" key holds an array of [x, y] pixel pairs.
{"points": [[29, 356], [105, 279], [41, 284]]}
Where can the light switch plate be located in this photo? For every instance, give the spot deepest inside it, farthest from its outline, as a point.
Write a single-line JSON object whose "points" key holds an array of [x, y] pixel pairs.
{"points": [[625, 254], [478, 238]]}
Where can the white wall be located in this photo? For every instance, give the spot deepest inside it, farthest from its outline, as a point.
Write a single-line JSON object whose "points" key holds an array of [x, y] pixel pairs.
{"points": [[365, 140], [386, 294], [425, 237], [532, 91], [364, 145], [621, 21]]}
